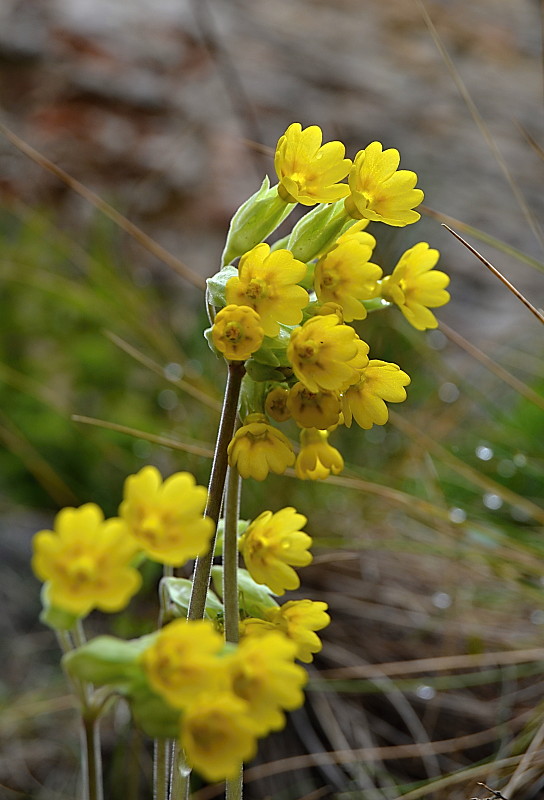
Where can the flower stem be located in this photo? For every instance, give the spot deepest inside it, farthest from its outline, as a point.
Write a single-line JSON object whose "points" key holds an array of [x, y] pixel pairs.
{"points": [[230, 556], [91, 757], [234, 787], [201, 577], [161, 768]]}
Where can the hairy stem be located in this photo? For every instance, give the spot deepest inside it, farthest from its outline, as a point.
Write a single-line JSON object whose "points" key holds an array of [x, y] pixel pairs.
{"points": [[201, 577], [91, 757], [230, 555]]}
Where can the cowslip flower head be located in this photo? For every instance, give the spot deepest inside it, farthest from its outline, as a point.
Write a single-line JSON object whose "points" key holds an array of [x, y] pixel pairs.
{"points": [[218, 735], [380, 191], [272, 545], [317, 458], [258, 448], [264, 675], [313, 409], [267, 282], [298, 620], [364, 401], [237, 332], [416, 287], [309, 172], [325, 354], [182, 661], [345, 275], [275, 404], [86, 562], [165, 519]]}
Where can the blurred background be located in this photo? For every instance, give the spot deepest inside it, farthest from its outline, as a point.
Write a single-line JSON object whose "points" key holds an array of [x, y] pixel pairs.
{"points": [[430, 545]]}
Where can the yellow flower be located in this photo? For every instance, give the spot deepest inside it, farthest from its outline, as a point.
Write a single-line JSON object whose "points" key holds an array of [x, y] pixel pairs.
{"points": [[267, 283], [380, 191], [345, 276], [308, 172], [272, 545], [317, 458], [182, 661], [237, 332], [86, 561], [365, 400], [298, 620], [264, 675], [415, 287], [165, 519], [258, 448], [218, 735], [313, 409], [275, 404], [325, 354]]}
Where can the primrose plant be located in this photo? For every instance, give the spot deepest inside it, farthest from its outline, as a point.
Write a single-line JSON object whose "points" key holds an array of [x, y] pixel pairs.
{"points": [[220, 671]]}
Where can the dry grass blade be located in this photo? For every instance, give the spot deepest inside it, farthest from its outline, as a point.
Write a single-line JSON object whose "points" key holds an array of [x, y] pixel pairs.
{"points": [[478, 119], [526, 761], [498, 275], [126, 225], [473, 475], [42, 471], [194, 449], [520, 387], [138, 356], [492, 241], [403, 751], [437, 664]]}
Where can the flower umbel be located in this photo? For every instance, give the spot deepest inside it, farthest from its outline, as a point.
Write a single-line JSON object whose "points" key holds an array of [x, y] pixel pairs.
{"points": [[237, 332], [317, 458], [264, 675], [165, 519], [267, 282], [364, 401], [86, 561], [345, 276], [325, 354], [380, 191], [416, 287], [218, 735], [258, 448], [309, 172], [272, 545]]}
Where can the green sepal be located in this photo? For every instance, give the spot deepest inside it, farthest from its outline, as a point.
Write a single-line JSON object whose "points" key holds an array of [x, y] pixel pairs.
{"points": [[151, 713], [220, 531], [261, 372], [108, 661], [376, 304], [253, 598], [254, 221], [177, 594], [318, 230], [216, 295], [56, 618]]}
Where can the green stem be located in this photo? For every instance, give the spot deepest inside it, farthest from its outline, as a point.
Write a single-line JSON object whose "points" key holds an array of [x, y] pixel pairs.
{"points": [[181, 776], [230, 555], [91, 757], [201, 577], [234, 787], [161, 768], [162, 749]]}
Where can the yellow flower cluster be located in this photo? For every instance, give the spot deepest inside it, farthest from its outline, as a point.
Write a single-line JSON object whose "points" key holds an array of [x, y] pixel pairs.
{"points": [[227, 698], [304, 309], [88, 562]]}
